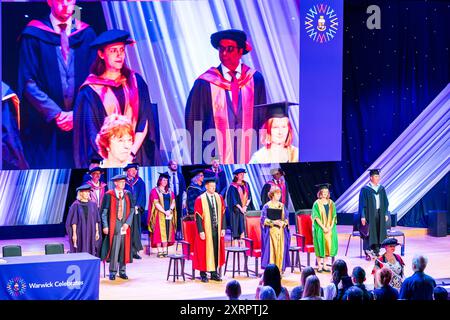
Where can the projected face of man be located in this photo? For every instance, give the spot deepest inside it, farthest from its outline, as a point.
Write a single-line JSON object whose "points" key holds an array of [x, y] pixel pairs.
{"points": [[120, 184], [229, 53], [62, 9], [132, 172]]}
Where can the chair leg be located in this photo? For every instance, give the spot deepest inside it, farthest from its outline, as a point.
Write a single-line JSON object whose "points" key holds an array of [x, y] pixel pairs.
{"points": [[256, 267], [246, 264], [226, 263], [309, 258], [403, 246], [292, 261], [299, 264], [104, 269], [182, 268], [168, 271], [234, 262], [348, 243], [360, 247]]}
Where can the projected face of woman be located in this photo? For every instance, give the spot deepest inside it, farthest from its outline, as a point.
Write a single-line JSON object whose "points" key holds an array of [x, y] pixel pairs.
{"points": [[279, 130], [113, 55], [120, 148]]}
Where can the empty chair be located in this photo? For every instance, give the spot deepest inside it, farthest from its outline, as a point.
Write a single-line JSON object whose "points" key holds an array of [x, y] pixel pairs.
{"points": [[12, 251], [54, 248]]}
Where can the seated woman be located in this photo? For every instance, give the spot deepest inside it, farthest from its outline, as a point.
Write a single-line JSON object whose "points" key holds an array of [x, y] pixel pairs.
{"points": [[312, 289], [392, 261], [114, 141], [324, 227], [277, 136], [272, 278], [275, 233], [82, 224], [340, 281], [112, 88], [162, 216]]}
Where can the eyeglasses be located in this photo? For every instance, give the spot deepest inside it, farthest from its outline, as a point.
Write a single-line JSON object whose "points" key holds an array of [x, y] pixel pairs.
{"points": [[228, 49], [117, 50]]}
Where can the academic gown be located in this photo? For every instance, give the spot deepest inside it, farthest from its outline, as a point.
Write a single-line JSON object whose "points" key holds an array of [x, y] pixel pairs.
{"points": [[209, 254], [85, 227], [193, 191], [90, 113], [45, 145], [12, 150], [161, 232], [325, 244], [110, 204], [137, 188], [199, 107], [284, 192], [275, 242], [238, 195], [367, 209]]}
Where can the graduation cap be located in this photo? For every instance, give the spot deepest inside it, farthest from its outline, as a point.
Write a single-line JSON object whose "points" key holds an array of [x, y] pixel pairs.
{"points": [[84, 187], [274, 110], [164, 175], [131, 165], [91, 171], [323, 186], [231, 34], [373, 172], [209, 177], [119, 177], [111, 36], [240, 170]]}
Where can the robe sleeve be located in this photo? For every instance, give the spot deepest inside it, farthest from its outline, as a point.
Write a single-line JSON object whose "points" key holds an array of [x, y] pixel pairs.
{"points": [[224, 220], [132, 203], [265, 222], [264, 194], [28, 73], [72, 218], [362, 204], [88, 118], [199, 215], [140, 195], [106, 204]]}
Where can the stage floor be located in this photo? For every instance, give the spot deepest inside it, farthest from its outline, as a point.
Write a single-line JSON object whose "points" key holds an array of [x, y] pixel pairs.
{"points": [[148, 276]]}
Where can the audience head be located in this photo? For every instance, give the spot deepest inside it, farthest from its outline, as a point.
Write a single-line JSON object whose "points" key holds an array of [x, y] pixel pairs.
{"points": [[358, 275], [272, 278], [440, 293], [384, 276], [354, 294], [233, 290], [339, 270], [267, 293], [307, 271], [419, 263], [312, 287]]}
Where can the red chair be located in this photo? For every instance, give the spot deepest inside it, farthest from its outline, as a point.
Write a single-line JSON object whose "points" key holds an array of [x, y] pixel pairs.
{"points": [[253, 237], [189, 229], [303, 228]]}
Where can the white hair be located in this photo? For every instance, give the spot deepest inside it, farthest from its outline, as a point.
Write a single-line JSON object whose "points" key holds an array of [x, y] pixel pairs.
{"points": [[419, 262]]}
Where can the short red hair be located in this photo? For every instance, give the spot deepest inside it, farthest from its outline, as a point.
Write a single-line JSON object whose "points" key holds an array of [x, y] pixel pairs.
{"points": [[114, 125]]}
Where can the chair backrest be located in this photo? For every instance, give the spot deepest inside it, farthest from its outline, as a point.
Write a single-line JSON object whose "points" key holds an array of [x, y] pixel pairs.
{"points": [[303, 224], [253, 227], [356, 221], [12, 251], [189, 229], [54, 248]]}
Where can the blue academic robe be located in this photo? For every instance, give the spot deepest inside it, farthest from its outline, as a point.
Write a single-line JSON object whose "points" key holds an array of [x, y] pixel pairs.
{"points": [[45, 145]]}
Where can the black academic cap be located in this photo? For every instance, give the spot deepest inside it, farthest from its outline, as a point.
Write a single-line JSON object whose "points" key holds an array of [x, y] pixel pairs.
{"points": [[131, 165], [209, 177], [390, 242], [119, 177], [84, 187], [164, 175], [373, 172], [274, 110], [232, 34], [96, 169], [195, 172], [240, 170], [323, 186], [274, 171], [111, 36]]}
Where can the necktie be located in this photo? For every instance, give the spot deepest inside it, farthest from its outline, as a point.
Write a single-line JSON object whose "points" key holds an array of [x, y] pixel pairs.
{"points": [[64, 42], [234, 91], [175, 183], [214, 217], [120, 211]]}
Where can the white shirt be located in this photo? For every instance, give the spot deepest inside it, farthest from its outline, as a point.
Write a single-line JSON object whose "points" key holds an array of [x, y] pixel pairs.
{"points": [[377, 196], [227, 76], [55, 24], [176, 184]]}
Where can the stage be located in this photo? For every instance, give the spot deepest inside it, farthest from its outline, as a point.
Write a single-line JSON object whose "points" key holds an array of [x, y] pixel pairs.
{"points": [[148, 276]]}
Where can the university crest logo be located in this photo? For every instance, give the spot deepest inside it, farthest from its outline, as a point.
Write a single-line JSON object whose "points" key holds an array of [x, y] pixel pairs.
{"points": [[321, 23], [16, 286]]}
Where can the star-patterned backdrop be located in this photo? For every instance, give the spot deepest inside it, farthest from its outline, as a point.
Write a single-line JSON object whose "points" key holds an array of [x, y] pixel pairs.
{"points": [[390, 75]]}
